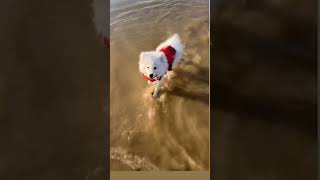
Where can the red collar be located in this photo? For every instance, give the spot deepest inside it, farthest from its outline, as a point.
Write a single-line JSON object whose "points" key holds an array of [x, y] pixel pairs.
{"points": [[148, 78]]}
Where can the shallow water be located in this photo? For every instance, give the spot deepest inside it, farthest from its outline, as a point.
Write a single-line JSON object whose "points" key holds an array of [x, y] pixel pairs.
{"points": [[171, 132]]}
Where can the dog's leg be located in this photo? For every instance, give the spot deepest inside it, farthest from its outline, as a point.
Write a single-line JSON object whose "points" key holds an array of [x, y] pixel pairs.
{"points": [[157, 89]]}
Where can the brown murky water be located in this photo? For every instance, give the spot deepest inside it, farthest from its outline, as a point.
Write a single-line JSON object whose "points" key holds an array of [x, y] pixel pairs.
{"points": [[171, 132]]}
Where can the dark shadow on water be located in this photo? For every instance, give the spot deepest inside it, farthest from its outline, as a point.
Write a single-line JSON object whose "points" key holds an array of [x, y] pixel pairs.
{"points": [[196, 96], [183, 82]]}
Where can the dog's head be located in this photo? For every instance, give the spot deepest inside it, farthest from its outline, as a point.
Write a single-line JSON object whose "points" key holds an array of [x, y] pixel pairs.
{"points": [[153, 64]]}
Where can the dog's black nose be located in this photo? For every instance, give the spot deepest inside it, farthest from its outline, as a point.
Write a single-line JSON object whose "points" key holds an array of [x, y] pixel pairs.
{"points": [[151, 75]]}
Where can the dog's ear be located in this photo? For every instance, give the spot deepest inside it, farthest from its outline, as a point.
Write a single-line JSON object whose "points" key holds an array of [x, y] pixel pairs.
{"points": [[162, 58], [141, 55]]}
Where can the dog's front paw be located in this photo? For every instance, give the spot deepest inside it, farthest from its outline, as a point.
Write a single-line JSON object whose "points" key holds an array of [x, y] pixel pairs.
{"points": [[155, 95]]}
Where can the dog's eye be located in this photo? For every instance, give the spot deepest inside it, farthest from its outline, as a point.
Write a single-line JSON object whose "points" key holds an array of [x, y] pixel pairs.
{"points": [[155, 68], [148, 67]]}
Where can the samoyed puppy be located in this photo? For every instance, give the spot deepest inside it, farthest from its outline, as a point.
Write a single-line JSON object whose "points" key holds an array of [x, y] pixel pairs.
{"points": [[154, 65]]}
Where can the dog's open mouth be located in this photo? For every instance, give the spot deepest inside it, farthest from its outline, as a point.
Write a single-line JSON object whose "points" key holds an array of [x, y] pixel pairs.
{"points": [[149, 78]]}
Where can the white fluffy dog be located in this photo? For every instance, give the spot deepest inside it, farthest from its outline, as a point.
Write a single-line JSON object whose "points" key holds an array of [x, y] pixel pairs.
{"points": [[154, 65]]}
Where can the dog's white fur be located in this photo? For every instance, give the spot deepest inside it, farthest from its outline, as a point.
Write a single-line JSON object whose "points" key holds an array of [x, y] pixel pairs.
{"points": [[150, 59]]}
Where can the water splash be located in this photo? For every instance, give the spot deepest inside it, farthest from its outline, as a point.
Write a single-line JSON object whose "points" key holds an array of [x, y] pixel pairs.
{"points": [[133, 161]]}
